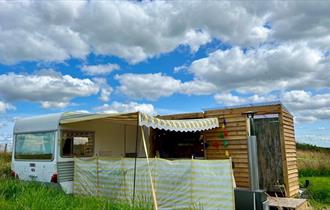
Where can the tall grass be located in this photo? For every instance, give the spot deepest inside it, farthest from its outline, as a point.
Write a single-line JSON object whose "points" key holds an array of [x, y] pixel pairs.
{"points": [[17, 195], [5, 165], [313, 162]]}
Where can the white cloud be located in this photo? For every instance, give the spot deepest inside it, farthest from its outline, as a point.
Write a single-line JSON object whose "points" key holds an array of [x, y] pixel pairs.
{"points": [[284, 67], [105, 89], [54, 104], [304, 105], [51, 90], [307, 106], [117, 107], [178, 69], [228, 99], [197, 87], [196, 38], [135, 31], [305, 21], [5, 106], [99, 69], [154, 86], [147, 86]]}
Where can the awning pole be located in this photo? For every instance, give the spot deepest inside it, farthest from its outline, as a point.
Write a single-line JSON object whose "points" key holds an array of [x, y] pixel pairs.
{"points": [[150, 176], [136, 150]]}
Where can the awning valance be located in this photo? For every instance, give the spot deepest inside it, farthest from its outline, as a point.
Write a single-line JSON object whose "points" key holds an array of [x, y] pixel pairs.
{"points": [[178, 125], [141, 119]]}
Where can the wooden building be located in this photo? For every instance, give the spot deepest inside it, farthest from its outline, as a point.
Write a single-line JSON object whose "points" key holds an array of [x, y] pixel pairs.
{"points": [[274, 128]]}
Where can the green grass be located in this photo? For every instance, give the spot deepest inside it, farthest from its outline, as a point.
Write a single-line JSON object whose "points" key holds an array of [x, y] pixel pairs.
{"points": [[313, 162], [318, 191], [16, 195], [314, 165], [5, 165]]}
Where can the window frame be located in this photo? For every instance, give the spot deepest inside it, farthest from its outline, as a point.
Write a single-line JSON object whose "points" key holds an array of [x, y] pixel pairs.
{"points": [[75, 131], [36, 132]]}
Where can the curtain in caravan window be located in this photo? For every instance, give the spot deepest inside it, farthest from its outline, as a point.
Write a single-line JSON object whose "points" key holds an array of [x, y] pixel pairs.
{"points": [[35, 146]]}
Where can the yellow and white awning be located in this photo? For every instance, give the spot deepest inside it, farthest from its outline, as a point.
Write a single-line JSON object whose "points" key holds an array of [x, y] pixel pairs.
{"points": [[178, 125], [141, 119]]}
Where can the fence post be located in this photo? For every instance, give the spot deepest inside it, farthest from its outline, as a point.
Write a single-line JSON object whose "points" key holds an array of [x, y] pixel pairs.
{"points": [[5, 148], [97, 175]]}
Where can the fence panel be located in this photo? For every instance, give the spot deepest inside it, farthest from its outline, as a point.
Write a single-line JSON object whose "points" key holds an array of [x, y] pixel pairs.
{"points": [[206, 184]]}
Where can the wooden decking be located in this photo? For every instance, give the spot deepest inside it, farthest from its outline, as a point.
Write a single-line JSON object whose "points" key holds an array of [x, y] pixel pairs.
{"points": [[288, 203]]}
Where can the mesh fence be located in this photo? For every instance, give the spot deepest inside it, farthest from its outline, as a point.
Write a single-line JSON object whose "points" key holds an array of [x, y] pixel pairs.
{"points": [[206, 184]]}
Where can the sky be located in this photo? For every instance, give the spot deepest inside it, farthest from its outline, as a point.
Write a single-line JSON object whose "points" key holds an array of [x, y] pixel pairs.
{"points": [[164, 57]]}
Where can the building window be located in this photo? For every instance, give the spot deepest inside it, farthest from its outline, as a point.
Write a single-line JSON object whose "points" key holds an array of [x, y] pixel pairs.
{"points": [[77, 143]]}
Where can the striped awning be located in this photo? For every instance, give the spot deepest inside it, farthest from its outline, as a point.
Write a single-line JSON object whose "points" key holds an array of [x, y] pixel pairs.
{"points": [[142, 119], [178, 125]]}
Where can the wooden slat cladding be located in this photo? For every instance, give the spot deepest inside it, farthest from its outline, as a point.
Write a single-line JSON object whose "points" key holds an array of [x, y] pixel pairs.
{"points": [[289, 157], [237, 141], [195, 115], [237, 138]]}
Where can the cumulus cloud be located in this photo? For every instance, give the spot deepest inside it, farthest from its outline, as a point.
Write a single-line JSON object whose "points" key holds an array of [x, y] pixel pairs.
{"points": [[197, 87], [105, 89], [228, 99], [135, 31], [99, 69], [5, 106], [289, 66], [304, 105], [307, 106], [117, 107], [49, 89], [154, 86], [301, 21], [147, 86]]}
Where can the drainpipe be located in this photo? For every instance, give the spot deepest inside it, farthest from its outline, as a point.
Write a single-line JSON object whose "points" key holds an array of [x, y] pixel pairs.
{"points": [[252, 153]]}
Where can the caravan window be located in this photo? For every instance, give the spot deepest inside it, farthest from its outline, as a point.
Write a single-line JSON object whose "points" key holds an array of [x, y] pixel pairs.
{"points": [[35, 146], [77, 144]]}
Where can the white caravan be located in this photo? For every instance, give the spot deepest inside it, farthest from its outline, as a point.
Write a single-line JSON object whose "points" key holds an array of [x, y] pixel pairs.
{"points": [[44, 147]]}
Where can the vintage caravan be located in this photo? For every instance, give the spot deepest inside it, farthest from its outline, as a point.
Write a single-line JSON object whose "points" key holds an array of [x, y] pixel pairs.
{"points": [[44, 147], [98, 154]]}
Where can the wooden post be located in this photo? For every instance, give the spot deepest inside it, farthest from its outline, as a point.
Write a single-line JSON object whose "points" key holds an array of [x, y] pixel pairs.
{"points": [[5, 148]]}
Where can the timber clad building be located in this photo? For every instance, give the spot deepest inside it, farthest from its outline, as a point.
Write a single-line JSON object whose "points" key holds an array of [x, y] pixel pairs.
{"points": [[276, 144]]}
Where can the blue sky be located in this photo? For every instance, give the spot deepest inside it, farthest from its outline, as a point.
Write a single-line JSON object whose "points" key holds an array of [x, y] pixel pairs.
{"points": [[165, 57]]}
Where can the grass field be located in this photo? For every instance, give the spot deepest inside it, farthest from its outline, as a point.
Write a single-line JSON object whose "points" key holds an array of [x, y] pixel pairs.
{"points": [[313, 162], [16, 195], [318, 191], [314, 165], [4, 165]]}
